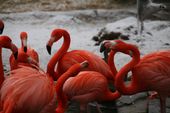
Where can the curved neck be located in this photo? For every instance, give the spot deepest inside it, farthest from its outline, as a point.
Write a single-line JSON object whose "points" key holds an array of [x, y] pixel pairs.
{"points": [[111, 96], [119, 82], [53, 61], [61, 98], [1, 68], [22, 44], [111, 63]]}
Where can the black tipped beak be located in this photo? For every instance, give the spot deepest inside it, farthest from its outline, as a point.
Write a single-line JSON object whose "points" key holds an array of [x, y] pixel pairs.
{"points": [[25, 49], [102, 47], [48, 49], [16, 55], [1, 31]]}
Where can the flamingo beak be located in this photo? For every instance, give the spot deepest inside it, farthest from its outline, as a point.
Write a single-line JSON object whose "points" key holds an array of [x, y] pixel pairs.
{"points": [[16, 55], [25, 45], [25, 49], [102, 47], [1, 31], [48, 49]]}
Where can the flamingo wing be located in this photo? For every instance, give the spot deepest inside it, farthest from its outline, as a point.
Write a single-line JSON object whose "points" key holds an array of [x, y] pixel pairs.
{"points": [[27, 93], [86, 85], [154, 68], [78, 56]]}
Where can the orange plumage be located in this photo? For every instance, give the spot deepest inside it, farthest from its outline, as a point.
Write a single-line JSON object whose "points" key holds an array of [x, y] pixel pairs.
{"points": [[150, 73]]}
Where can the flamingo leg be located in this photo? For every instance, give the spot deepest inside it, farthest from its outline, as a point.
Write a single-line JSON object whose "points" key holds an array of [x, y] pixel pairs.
{"points": [[98, 108], [88, 109], [83, 108], [162, 104]]}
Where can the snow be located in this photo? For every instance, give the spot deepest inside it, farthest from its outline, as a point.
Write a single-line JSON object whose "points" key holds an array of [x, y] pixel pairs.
{"points": [[155, 36], [82, 26]]}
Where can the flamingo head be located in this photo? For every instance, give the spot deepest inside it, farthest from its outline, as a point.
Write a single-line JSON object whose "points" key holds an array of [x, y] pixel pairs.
{"points": [[55, 36], [23, 37], [116, 45], [25, 58], [1, 26], [6, 42], [103, 46]]}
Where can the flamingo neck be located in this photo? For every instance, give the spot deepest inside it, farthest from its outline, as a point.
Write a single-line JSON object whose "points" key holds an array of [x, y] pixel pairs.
{"points": [[1, 68], [61, 98], [119, 82], [53, 61], [111, 96], [22, 44], [111, 63]]}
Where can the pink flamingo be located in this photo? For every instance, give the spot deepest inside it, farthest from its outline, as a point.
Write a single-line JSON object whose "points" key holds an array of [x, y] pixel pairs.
{"points": [[72, 87], [6, 42], [29, 51], [85, 87], [26, 90], [150, 73], [28, 86], [67, 59]]}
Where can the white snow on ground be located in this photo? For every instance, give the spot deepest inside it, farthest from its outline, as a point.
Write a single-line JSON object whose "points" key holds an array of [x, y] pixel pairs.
{"points": [[39, 25], [156, 35]]}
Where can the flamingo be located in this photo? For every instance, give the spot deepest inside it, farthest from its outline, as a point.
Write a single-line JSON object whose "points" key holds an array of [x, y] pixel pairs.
{"points": [[67, 59], [28, 90], [73, 86], [1, 26], [31, 52], [149, 73], [6, 42], [85, 87]]}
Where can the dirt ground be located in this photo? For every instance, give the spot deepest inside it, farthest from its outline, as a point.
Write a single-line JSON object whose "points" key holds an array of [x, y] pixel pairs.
{"points": [[7, 6]]}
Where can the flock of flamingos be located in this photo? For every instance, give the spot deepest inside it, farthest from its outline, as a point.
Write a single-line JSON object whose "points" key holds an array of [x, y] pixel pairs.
{"points": [[79, 76]]}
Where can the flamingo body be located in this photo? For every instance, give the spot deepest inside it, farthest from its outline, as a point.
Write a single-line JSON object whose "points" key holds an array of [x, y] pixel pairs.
{"points": [[85, 87], [156, 65], [77, 56], [150, 73], [65, 59], [26, 91]]}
